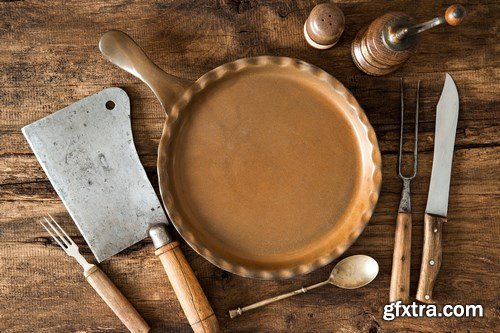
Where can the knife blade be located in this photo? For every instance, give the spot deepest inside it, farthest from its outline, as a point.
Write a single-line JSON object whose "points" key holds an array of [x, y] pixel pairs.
{"points": [[446, 127], [437, 201]]}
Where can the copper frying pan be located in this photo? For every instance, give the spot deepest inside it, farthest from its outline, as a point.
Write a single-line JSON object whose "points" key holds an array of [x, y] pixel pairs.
{"points": [[268, 166]]}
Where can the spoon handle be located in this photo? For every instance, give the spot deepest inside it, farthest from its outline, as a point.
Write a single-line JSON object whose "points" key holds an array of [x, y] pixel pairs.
{"points": [[239, 311]]}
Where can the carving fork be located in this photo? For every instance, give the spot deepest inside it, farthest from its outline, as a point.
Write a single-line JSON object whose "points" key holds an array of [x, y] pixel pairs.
{"points": [[400, 277]]}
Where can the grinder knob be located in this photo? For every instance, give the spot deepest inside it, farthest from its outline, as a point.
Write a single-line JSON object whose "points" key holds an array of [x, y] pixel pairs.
{"points": [[455, 14]]}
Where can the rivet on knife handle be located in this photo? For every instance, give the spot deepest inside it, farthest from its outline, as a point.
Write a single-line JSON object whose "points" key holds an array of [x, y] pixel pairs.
{"points": [[431, 257], [194, 303]]}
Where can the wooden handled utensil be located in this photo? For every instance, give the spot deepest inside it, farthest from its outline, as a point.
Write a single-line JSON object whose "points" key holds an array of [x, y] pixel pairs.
{"points": [[436, 211], [98, 280], [400, 278]]}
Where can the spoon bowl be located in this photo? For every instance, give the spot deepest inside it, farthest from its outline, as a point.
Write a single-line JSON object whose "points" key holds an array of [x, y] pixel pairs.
{"points": [[354, 272]]}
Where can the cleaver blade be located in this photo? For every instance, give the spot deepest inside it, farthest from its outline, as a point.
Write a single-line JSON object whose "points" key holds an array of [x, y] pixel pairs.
{"points": [[87, 151]]}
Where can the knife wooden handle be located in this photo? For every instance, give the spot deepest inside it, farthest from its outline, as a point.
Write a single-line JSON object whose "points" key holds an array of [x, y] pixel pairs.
{"points": [[431, 257], [115, 300], [198, 311], [400, 278]]}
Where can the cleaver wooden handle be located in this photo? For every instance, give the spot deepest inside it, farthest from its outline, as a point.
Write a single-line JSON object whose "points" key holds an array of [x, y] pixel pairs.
{"points": [[431, 257], [115, 300], [400, 277], [198, 311]]}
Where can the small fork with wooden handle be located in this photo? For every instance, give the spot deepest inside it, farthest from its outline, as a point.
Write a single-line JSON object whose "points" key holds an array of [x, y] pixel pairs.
{"points": [[98, 280]]}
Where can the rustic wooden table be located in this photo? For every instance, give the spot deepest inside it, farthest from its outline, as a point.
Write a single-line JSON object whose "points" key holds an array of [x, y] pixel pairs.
{"points": [[49, 59]]}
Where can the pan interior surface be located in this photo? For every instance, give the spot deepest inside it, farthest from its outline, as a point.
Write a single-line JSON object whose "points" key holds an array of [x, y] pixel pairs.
{"points": [[266, 169]]}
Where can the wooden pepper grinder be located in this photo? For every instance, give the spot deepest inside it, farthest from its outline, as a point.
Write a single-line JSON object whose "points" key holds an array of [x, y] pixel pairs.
{"points": [[391, 39]]}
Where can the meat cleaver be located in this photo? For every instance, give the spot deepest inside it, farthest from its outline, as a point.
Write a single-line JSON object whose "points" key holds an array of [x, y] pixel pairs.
{"points": [[88, 153]]}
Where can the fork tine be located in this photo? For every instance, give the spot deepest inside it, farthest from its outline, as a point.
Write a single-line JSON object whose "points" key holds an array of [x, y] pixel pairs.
{"points": [[64, 232], [53, 236], [61, 237], [401, 133], [415, 147], [400, 153]]}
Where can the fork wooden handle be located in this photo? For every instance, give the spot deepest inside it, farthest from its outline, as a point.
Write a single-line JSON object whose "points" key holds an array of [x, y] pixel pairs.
{"points": [[115, 300], [198, 311], [400, 277]]}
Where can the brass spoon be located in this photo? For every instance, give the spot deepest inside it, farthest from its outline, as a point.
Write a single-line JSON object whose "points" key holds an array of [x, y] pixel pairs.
{"points": [[350, 273]]}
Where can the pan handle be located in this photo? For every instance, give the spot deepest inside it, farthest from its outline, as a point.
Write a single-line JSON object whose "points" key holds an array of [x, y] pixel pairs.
{"points": [[123, 51]]}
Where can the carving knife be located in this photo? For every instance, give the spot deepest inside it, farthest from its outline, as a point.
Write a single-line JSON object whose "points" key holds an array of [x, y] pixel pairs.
{"points": [[88, 153], [439, 188]]}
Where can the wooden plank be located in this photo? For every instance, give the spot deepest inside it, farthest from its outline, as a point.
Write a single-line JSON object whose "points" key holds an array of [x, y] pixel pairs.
{"points": [[49, 59]]}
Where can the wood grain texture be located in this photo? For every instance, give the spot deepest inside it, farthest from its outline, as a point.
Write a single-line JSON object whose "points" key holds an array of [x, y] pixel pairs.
{"points": [[49, 59], [401, 259], [432, 257], [116, 300], [193, 301]]}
